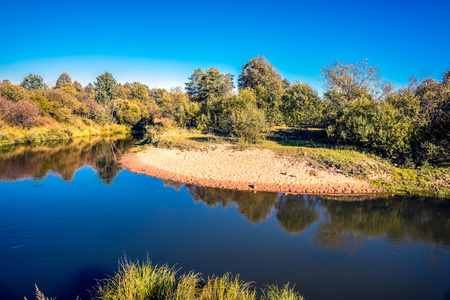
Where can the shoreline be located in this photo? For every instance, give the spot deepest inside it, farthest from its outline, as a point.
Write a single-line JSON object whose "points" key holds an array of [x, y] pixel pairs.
{"points": [[245, 170]]}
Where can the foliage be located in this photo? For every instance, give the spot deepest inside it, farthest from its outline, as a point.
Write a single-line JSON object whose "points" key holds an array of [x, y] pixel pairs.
{"points": [[355, 80], [23, 113], [33, 82], [260, 75], [203, 86], [107, 88], [376, 126], [63, 79], [301, 106], [139, 92], [12, 92], [125, 112], [242, 118]]}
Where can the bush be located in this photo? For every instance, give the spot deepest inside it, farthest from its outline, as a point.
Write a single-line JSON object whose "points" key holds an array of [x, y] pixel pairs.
{"points": [[63, 115], [12, 92], [23, 113], [376, 126]]}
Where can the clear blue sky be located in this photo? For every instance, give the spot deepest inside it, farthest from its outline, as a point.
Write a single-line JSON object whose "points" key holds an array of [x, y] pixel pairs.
{"points": [[160, 43]]}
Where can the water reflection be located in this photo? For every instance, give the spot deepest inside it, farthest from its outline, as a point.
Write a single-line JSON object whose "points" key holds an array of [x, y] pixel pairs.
{"points": [[256, 207], [64, 159], [396, 218], [296, 213], [341, 224]]}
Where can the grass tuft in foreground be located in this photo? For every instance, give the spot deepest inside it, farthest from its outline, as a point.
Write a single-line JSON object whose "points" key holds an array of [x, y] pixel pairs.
{"points": [[141, 281]]}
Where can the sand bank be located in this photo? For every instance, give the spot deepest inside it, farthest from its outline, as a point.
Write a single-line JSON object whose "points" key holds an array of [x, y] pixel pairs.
{"points": [[252, 169]]}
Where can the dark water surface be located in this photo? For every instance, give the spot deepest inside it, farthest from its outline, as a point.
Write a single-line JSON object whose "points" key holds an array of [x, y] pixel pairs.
{"points": [[68, 212]]}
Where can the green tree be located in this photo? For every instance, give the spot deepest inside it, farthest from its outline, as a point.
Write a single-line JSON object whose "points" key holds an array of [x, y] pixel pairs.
{"points": [[203, 86], [301, 106], [242, 118], [107, 88], [209, 88], [260, 75], [33, 82]]}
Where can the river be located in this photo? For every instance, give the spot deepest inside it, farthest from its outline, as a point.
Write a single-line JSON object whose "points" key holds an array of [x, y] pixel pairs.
{"points": [[69, 212]]}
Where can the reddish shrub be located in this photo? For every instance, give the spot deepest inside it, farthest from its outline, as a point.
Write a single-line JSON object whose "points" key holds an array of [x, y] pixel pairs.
{"points": [[23, 113]]}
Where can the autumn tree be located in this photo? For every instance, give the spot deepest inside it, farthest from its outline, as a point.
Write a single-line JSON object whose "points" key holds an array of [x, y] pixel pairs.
{"points": [[63, 79], [139, 91]]}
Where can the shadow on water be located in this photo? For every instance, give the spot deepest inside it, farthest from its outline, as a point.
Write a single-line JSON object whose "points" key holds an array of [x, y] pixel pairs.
{"points": [[64, 158]]}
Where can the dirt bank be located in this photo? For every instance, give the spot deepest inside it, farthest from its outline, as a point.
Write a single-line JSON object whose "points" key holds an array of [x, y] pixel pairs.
{"points": [[253, 169]]}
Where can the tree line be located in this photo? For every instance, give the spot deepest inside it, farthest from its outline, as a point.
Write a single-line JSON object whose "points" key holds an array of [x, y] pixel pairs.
{"points": [[408, 124]]}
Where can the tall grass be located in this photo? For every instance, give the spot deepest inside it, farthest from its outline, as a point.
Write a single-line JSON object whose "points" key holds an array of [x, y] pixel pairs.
{"points": [[143, 281]]}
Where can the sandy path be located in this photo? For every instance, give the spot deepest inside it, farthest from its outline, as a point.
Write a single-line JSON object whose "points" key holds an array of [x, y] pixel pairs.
{"points": [[253, 169]]}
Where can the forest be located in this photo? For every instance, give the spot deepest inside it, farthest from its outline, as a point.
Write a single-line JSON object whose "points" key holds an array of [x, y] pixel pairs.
{"points": [[408, 125]]}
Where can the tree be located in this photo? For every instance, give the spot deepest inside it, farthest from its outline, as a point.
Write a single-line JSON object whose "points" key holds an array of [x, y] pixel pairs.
{"points": [[260, 75], [355, 80], [209, 84], [301, 106], [139, 91], [107, 88], [242, 118], [63, 79], [33, 82]]}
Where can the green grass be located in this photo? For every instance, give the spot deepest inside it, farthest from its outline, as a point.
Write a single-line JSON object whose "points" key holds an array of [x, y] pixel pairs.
{"points": [[144, 281], [141, 281]]}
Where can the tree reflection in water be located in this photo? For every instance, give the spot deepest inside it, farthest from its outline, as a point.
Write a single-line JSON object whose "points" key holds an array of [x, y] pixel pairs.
{"points": [[341, 222], [64, 158], [295, 212]]}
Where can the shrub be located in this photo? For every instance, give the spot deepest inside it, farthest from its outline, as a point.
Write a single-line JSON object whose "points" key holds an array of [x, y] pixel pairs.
{"points": [[63, 114], [12, 92], [376, 126], [23, 113], [243, 119]]}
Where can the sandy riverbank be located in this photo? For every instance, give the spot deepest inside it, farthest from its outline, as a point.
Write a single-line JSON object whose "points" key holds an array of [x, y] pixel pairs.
{"points": [[222, 166]]}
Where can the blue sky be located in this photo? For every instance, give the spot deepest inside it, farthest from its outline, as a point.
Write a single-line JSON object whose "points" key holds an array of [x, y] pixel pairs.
{"points": [[160, 43]]}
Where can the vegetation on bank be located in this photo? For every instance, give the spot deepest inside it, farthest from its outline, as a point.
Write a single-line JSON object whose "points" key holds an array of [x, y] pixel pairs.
{"points": [[143, 281], [400, 134], [14, 135]]}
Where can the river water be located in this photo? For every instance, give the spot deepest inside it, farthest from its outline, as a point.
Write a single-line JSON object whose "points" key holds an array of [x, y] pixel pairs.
{"points": [[69, 212]]}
